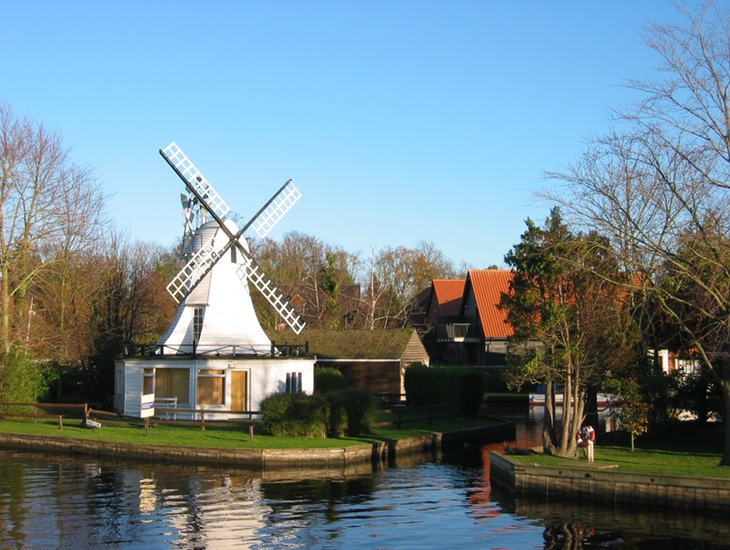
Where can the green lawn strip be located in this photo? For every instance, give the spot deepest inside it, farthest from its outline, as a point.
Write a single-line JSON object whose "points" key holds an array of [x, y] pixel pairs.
{"points": [[682, 452], [217, 437]]}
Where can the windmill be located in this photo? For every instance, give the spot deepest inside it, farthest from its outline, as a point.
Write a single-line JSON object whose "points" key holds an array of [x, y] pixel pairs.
{"points": [[215, 313]]}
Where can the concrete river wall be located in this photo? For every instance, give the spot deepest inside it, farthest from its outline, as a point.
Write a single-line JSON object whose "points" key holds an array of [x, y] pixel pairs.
{"points": [[591, 483]]}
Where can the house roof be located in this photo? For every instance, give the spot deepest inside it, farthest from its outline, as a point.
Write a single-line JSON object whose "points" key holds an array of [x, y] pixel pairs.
{"points": [[449, 294], [488, 286], [351, 344]]}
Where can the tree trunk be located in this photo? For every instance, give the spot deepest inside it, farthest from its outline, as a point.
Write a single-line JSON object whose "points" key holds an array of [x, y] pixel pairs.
{"points": [[566, 432], [725, 389], [549, 443]]}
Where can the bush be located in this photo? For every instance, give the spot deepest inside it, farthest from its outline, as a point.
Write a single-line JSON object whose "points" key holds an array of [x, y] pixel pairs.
{"points": [[328, 379], [336, 414], [351, 412], [416, 384], [23, 380], [294, 415], [360, 407], [346, 412], [436, 385]]}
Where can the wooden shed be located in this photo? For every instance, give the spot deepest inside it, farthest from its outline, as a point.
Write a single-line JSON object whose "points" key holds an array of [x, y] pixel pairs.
{"points": [[375, 360]]}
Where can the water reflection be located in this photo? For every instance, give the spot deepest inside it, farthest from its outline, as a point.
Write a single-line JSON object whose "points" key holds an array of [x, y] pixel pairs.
{"points": [[587, 521], [428, 501]]}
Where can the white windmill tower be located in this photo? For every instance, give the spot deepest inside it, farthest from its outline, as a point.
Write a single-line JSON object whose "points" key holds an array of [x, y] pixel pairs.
{"points": [[215, 356], [215, 312]]}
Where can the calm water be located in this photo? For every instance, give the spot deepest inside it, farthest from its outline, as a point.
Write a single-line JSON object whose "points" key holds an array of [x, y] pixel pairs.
{"points": [[430, 502]]}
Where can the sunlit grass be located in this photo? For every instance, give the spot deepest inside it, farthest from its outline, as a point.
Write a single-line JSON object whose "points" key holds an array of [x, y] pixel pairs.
{"points": [[234, 436], [683, 451]]}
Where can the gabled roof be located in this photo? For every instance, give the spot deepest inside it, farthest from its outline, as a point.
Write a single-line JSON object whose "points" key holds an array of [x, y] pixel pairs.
{"points": [[352, 344], [488, 286], [449, 293]]}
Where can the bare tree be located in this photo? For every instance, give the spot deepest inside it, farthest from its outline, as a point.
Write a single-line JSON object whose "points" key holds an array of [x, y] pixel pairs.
{"points": [[392, 279], [303, 265], [133, 304], [50, 211], [659, 189]]}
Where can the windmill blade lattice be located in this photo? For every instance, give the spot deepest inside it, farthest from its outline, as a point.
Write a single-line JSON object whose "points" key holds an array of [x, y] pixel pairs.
{"points": [[262, 282], [193, 272], [187, 170], [204, 259], [208, 255], [275, 209]]}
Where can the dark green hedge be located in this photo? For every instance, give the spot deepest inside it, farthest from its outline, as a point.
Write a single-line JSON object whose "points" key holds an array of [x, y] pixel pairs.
{"points": [[328, 379], [294, 415], [348, 412], [436, 385]]}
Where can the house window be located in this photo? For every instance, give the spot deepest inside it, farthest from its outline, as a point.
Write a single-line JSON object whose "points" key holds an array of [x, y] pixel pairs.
{"points": [[173, 383], [689, 366], [293, 382], [197, 323], [211, 387], [148, 381]]}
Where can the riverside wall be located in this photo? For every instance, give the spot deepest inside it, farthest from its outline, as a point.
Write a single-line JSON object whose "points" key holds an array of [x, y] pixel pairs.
{"points": [[591, 483], [258, 459]]}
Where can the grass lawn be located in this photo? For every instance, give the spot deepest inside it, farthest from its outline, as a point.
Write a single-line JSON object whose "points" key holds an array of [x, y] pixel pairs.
{"points": [[234, 436], [684, 451]]}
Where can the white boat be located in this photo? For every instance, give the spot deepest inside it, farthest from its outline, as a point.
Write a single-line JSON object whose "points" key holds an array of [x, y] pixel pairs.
{"points": [[538, 399]]}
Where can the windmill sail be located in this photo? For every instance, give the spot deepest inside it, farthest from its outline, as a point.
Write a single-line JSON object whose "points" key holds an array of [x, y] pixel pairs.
{"points": [[209, 254], [278, 205], [195, 180], [203, 260], [194, 271], [251, 270]]}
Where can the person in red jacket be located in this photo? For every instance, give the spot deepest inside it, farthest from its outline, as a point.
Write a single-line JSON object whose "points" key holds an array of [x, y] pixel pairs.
{"points": [[586, 437]]}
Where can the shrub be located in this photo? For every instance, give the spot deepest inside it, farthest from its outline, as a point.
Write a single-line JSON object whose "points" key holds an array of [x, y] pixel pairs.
{"points": [[23, 380], [351, 412], [360, 407], [294, 415], [416, 384], [336, 414], [328, 379]]}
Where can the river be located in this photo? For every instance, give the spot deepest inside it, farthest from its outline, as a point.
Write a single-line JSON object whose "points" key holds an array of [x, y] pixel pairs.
{"points": [[444, 501]]}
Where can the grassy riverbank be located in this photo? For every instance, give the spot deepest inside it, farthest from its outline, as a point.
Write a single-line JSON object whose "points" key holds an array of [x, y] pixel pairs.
{"points": [[233, 435], [686, 451]]}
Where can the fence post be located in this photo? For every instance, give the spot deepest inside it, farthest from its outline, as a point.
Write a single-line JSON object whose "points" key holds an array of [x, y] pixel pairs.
{"points": [[60, 422], [250, 432], [202, 420]]}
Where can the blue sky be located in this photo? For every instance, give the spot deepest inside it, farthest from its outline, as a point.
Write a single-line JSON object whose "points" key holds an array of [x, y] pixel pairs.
{"points": [[400, 121]]}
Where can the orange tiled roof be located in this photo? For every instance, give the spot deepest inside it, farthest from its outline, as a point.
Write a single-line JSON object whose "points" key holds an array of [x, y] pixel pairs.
{"points": [[449, 294], [488, 285]]}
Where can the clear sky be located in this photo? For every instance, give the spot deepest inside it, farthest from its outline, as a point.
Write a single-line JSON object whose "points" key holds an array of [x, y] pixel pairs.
{"points": [[400, 121]]}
